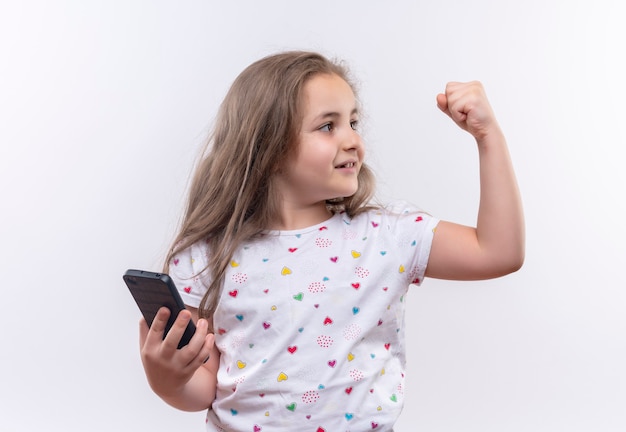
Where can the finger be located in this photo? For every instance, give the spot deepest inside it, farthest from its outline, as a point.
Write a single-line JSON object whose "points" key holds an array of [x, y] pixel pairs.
{"points": [[175, 333], [154, 335], [453, 87], [208, 352], [201, 343], [442, 102], [189, 352], [449, 104], [159, 323], [457, 105], [459, 113], [197, 340], [207, 349]]}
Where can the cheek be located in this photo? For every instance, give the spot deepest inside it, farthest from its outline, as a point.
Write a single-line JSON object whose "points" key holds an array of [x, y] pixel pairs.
{"points": [[323, 157]]}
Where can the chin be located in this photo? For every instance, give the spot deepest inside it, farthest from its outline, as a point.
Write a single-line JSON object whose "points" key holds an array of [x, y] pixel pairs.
{"points": [[348, 194], [342, 193]]}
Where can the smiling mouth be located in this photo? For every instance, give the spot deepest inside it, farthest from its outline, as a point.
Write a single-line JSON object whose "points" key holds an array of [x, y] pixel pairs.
{"points": [[348, 165]]}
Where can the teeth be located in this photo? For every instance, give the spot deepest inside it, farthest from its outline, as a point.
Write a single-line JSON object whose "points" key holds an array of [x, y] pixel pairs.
{"points": [[347, 165]]}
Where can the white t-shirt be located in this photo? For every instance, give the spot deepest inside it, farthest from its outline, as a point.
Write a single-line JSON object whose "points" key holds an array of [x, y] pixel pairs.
{"points": [[310, 323]]}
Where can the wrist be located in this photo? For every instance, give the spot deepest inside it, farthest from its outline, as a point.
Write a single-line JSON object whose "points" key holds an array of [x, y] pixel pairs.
{"points": [[489, 138], [167, 392]]}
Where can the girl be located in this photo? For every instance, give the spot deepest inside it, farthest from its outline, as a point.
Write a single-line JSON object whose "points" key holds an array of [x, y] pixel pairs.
{"points": [[295, 281]]}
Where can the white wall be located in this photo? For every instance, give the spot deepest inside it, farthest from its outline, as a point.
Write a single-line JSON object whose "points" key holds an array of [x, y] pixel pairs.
{"points": [[103, 105]]}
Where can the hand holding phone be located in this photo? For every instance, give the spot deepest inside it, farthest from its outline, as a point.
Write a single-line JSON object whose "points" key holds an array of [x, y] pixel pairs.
{"points": [[152, 291]]}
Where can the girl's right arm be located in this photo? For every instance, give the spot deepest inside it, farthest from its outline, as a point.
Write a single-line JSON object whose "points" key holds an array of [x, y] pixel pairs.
{"points": [[185, 378], [495, 247]]}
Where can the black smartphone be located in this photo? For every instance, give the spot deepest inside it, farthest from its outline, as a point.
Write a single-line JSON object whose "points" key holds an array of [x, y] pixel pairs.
{"points": [[152, 291]]}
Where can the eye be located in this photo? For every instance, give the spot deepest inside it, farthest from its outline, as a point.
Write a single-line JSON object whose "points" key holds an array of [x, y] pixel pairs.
{"points": [[354, 124], [327, 127]]}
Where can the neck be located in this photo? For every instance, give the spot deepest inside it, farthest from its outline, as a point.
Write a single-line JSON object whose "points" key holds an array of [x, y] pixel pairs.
{"points": [[294, 217]]}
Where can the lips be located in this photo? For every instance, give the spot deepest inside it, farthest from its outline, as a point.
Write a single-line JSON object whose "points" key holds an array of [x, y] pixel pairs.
{"points": [[347, 165]]}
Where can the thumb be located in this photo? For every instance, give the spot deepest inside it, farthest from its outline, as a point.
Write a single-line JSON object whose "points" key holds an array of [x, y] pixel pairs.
{"points": [[442, 103]]}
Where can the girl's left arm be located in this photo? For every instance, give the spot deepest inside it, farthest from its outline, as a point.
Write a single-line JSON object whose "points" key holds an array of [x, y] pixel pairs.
{"points": [[495, 247]]}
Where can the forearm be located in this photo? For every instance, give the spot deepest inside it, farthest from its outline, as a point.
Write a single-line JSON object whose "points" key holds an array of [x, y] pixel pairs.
{"points": [[500, 225]]}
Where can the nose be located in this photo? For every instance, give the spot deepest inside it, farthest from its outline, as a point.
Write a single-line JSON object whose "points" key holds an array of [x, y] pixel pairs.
{"points": [[352, 140]]}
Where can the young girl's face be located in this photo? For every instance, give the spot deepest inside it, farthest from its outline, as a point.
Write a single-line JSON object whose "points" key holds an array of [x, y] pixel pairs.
{"points": [[330, 151]]}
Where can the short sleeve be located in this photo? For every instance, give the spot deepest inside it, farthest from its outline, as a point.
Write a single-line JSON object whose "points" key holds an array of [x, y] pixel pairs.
{"points": [[187, 270], [414, 231]]}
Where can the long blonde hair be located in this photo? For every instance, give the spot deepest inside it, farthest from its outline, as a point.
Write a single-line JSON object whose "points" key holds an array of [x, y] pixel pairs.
{"points": [[233, 196]]}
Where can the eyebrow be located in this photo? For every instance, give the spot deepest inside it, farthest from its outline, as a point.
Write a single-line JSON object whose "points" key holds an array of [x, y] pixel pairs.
{"points": [[334, 114]]}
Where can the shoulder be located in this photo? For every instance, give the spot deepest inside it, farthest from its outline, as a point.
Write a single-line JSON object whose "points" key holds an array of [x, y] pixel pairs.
{"points": [[394, 213], [187, 269], [398, 223], [192, 259]]}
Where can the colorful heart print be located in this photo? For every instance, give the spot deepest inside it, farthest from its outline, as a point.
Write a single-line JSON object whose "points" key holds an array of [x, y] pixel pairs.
{"points": [[310, 397], [325, 341]]}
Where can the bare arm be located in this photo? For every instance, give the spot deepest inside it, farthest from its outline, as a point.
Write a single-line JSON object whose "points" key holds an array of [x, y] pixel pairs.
{"points": [[496, 246], [181, 377]]}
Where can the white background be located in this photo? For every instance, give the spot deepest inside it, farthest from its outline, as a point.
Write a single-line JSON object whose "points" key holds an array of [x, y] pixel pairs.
{"points": [[104, 104]]}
